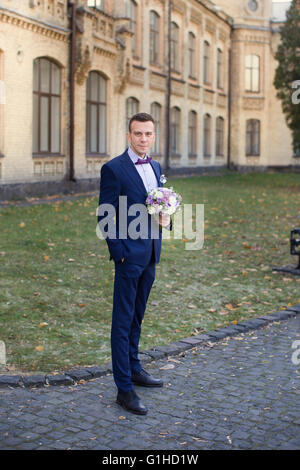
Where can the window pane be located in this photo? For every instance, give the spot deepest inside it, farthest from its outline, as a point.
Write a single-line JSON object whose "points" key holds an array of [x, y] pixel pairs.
{"points": [[155, 112], [255, 80], [36, 75], [55, 79], [255, 61], [248, 79], [93, 124], [45, 75], [35, 123], [55, 124], [44, 124], [93, 86], [102, 128], [102, 93], [248, 61]]}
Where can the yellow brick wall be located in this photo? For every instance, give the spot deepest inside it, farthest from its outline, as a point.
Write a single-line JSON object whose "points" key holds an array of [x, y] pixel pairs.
{"points": [[29, 31]]}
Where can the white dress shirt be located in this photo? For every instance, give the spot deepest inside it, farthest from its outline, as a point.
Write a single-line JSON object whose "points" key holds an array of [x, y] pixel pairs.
{"points": [[145, 171]]}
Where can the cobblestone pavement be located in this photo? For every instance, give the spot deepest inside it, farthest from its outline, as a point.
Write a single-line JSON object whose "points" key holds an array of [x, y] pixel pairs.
{"points": [[239, 393]]}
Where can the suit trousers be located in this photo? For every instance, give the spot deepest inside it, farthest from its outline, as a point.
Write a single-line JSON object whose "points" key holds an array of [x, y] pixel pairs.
{"points": [[132, 286]]}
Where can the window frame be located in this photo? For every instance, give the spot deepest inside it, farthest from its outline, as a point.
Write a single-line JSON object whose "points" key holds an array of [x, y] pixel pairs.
{"points": [[220, 69], [99, 105], [156, 110], [192, 54], [250, 70], [175, 121], [220, 136], [207, 135], [49, 95], [174, 47], [206, 63], [192, 133], [131, 101], [154, 31], [253, 137]]}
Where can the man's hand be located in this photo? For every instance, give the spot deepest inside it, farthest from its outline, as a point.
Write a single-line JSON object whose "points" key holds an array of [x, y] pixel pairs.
{"points": [[164, 219]]}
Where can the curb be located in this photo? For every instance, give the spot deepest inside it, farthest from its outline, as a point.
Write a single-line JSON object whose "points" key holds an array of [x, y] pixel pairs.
{"points": [[81, 375]]}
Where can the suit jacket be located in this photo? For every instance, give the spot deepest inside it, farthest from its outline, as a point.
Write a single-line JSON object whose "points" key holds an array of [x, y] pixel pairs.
{"points": [[120, 178]]}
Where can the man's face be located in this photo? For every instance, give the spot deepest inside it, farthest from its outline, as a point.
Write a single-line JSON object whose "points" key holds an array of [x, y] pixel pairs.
{"points": [[141, 137]]}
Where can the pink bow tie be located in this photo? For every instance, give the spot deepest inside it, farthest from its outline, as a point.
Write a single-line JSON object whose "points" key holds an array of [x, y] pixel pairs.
{"points": [[141, 161]]}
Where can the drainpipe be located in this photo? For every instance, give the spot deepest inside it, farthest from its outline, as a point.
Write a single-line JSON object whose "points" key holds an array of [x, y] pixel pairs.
{"points": [[168, 93], [229, 102], [72, 52]]}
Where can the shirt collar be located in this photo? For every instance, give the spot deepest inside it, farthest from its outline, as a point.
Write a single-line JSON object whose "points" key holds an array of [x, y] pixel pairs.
{"points": [[134, 157]]}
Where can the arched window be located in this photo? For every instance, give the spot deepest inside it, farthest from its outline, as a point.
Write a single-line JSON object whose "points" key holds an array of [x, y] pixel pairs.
{"points": [[220, 136], [252, 78], [154, 37], [46, 106], [96, 119], [156, 114], [131, 13], [175, 130], [207, 135], [174, 46], [192, 55], [206, 63], [192, 137], [253, 137], [132, 107], [220, 70]]}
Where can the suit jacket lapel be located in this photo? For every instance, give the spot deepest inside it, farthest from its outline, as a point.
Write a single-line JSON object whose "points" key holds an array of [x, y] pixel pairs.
{"points": [[130, 169], [156, 171]]}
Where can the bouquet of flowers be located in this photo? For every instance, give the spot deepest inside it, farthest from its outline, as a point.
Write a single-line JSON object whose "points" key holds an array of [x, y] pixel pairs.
{"points": [[163, 200]]}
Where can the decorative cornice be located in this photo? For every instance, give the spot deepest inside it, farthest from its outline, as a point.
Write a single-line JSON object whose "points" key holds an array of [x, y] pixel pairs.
{"points": [[32, 24], [104, 52]]}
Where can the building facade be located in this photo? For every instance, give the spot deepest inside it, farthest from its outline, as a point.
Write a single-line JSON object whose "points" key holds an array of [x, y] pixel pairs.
{"points": [[73, 73]]}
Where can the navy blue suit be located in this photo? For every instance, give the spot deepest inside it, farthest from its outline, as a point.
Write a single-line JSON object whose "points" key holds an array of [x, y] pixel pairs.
{"points": [[133, 277]]}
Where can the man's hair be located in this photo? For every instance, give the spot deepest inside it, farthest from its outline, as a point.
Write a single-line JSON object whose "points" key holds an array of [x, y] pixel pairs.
{"points": [[141, 117]]}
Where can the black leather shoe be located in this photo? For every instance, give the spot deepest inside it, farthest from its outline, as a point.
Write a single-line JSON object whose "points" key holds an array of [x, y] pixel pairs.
{"points": [[145, 380], [131, 402]]}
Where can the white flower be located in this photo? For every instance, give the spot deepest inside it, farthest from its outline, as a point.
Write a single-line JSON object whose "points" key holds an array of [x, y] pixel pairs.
{"points": [[163, 179], [172, 200], [159, 194], [171, 210], [151, 210]]}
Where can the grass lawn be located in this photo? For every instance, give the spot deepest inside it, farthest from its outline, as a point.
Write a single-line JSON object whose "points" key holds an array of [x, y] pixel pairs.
{"points": [[56, 281]]}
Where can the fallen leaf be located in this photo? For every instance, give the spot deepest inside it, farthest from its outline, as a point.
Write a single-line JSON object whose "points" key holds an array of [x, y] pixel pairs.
{"points": [[39, 348], [229, 307], [223, 312], [167, 366]]}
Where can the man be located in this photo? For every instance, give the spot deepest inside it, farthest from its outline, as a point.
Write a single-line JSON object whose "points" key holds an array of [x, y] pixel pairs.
{"points": [[132, 174]]}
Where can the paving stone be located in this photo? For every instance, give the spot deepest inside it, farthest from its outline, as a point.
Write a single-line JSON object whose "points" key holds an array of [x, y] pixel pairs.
{"points": [[96, 371], [34, 380], [295, 308], [10, 380], [79, 374], [59, 379]]}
